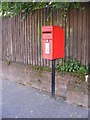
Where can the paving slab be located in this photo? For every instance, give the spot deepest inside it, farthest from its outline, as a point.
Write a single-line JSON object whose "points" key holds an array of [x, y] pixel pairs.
{"points": [[19, 101]]}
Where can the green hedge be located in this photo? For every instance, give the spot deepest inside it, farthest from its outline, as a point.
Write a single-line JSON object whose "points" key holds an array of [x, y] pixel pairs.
{"points": [[70, 65]]}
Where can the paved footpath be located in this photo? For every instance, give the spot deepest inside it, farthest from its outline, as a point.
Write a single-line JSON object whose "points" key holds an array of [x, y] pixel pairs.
{"points": [[26, 102]]}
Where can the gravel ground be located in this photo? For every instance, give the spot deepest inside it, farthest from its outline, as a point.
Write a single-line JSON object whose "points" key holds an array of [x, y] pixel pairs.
{"points": [[20, 101]]}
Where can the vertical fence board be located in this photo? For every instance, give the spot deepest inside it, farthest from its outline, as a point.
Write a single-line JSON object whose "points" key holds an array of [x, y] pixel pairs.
{"points": [[15, 39], [45, 19], [7, 38], [18, 41], [88, 47], [22, 39], [20, 36], [39, 37], [63, 26], [42, 61], [79, 34], [65, 38], [35, 37], [84, 36], [18, 46], [16, 36], [67, 35], [27, 41], [87, 36], [2, 41], [12, 27], [28, 37], [43, 25], [32, 37], [30, 40], [38, 40], [75, 35], [11, 39], [33, 22], [81, 47], [39, 33], [71, 31]]}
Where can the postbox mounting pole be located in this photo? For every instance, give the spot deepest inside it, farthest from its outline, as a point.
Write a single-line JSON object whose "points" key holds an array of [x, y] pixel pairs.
{"points": [[53, 78]]}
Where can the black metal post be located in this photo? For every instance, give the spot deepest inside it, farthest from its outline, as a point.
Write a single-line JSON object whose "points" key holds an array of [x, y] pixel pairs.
{"points": [[53, 78]]}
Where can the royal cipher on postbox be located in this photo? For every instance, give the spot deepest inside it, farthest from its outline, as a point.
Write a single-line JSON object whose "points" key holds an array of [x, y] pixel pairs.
{"points": [[52, 42]]}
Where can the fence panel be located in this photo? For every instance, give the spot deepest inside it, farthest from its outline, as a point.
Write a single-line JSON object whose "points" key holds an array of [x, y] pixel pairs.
{"points": [[23, 42]]}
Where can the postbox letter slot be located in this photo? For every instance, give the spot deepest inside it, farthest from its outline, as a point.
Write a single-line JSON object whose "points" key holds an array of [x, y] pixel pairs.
{"points": [[46, 32]]}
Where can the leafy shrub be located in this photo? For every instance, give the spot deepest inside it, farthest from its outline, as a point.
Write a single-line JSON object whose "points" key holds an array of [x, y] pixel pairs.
{"points": [[71, 66]]}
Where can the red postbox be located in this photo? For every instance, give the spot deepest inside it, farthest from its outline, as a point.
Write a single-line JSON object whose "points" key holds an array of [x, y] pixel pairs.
{"points": [[52, 42]]}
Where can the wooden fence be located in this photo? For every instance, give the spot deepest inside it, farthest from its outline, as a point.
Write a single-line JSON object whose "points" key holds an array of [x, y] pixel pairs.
{"points": [[21, 39]]}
